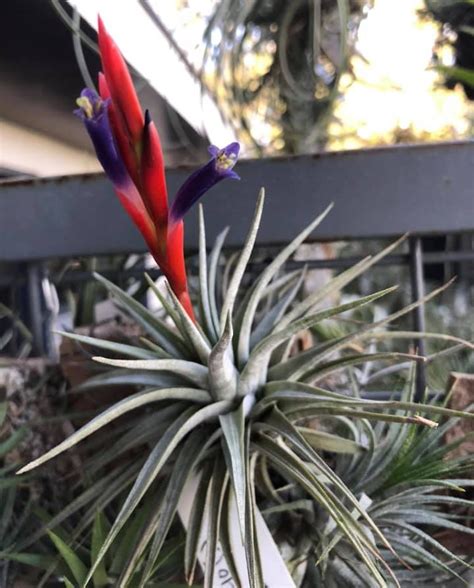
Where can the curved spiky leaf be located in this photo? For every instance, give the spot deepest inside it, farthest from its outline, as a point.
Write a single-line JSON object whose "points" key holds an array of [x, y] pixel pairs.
{"points": [[216, 494], [324, 369], [222, 373], [204, 303], [233, 427], [324, 441], [295, 367], [170, 311], [244, 332], [255, 371], [155, 327], [129, 377], [162, 515], [337, 283], [195, 523], [213, 265], [282, 425], [196, 373], [119, 348], [275, 314], [299, 392], [198, 339], [292, 467], [191, 419], [246, 252], [117, 410]]}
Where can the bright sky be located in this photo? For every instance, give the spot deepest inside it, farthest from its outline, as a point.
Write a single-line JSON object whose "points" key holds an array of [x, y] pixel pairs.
{"points": [[394, 87], [391, 97]]}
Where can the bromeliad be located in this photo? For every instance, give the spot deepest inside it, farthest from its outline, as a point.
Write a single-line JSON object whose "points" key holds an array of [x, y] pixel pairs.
{"points": [[128, 147]]}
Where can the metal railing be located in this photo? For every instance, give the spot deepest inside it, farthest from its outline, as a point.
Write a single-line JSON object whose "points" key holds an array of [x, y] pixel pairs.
{"points": [[426, 190]]}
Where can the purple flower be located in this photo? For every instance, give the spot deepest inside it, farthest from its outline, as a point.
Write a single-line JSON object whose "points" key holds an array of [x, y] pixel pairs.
{"points": [[217, 169], [93, 111]]}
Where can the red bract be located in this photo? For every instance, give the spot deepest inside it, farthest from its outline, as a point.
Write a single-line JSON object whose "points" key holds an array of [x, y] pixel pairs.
{"points": [[128, 147], [139, 144]]}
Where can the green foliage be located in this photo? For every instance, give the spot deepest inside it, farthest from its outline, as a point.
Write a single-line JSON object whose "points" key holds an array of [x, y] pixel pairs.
{"points": [[225, 399], [413, 489]]}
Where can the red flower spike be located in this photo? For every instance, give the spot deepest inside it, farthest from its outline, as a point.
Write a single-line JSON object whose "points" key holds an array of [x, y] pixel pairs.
{"points": [[120, 132], [128, 147], [141, 219], [176, 267], [121, 87], [153, 180]]}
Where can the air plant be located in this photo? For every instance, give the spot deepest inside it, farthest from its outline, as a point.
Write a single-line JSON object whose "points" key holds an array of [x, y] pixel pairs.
{"points": [[415, 490], [222, 397]]}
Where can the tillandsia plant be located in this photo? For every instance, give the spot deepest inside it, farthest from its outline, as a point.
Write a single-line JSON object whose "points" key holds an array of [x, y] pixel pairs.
{"points": [[411, 484], [228, 400]]}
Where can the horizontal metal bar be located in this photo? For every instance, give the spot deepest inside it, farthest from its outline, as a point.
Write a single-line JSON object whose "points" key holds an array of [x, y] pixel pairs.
{"points": [[422, 189], [77, 276]]}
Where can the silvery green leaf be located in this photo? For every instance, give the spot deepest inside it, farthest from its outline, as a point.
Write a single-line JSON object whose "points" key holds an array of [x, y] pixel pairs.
{"points": [[337, 283], [233, 427], [415, 550], [273, 317], [282, 425], [252, 549], [195, 373], [155, 327], [115, 411], [186, 423], [253, 375], [212, 284], [119, 348], [243, 347], [130, 377], [204, 301], [291, 466], [222, 373], [323, 369], [324, 441], [295, 367], [195, 334], [145, 431], [195, 524], [246, 252], [224, 537], [387, 335], [215, 500], [170, 311], [161, 517]]}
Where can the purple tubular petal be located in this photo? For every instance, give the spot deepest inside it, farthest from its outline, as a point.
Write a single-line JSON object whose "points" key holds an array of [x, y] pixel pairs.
{"points": [[203, 179], [93, 112], [213, 150]]}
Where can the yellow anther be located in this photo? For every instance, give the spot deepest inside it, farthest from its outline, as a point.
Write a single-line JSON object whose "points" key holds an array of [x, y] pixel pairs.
{"points": [[86, 106], [224, 161]]}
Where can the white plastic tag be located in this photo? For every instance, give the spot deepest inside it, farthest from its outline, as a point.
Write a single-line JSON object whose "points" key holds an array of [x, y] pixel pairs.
{"points": [[275, 572]]}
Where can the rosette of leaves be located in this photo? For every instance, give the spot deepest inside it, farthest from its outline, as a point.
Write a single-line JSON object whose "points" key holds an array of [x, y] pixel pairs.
{"points": [[223, 394], [415, 490]]}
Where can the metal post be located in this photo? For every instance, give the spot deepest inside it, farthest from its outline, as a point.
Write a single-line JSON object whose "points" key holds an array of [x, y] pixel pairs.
{"points": [[417, 292], [35, 307]]}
